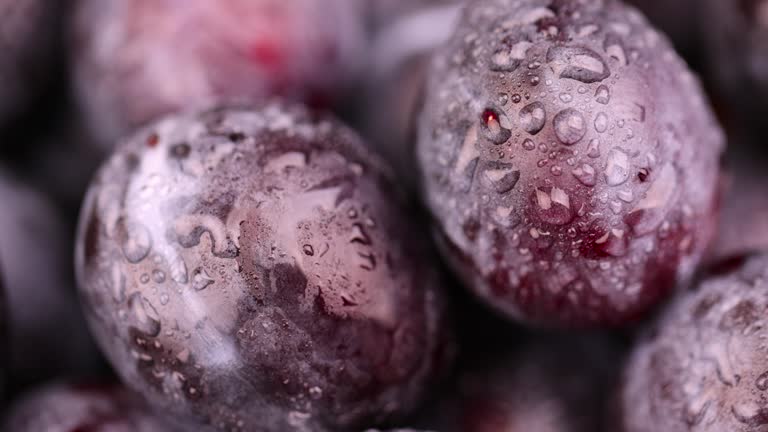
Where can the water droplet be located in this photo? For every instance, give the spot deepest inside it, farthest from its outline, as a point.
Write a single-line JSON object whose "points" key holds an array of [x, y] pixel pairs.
{"points": [[158, 276], [556, 170], [308, 250], [501, 177], [566, 97], [553, 206], [750, 413], [495, 126], [616, 207], [503, 99], [367, 261], [516, 98], [315, 392], [626, 195], [614, 47], [697, 408], [601, 122], [359, 235], [570, 126], [118, 283], [603, 95], [164, 299], [535, 81], [586, 175], [144, 316], [529, 145], [533, 117], [617, 168], [762, 381], [201, 279], [578, 63], [508, 58], [144, 278], [135, 241], [593, 150]]}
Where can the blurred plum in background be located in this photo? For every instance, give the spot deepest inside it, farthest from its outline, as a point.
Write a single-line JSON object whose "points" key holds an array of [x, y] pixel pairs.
{"points": [[134, 60]]}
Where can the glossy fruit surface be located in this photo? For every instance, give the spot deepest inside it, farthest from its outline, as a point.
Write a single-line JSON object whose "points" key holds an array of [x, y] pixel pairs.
{"points": [[569, 159], [253, 269], [704, 367], [82, 407], [137, 60]]}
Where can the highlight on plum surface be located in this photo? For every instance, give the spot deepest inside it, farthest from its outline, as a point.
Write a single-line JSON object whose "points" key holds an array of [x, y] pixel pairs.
{"points": [[570, 160], [255, 270]]}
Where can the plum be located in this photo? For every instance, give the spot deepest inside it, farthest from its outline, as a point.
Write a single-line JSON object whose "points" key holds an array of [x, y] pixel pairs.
{"points": [[27, 37], [254, 269], [398, 69], [45, 320], [735, 37], [743, 226], [702, 367], [551, 384], [82, 407], [135, 60], [569, 159]]}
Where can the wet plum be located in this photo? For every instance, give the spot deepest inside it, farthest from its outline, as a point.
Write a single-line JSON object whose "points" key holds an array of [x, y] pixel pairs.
{"points": [[26, 35], [45, 319], [82, 407], [703, 366], [253, 269], [531, 388], [135, 60], [569, 159]]}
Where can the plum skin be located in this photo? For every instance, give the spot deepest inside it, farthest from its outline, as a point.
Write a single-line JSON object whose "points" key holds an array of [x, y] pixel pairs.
{"points": [[133, 61], [250, 269], [82, 406], [703, 365], [570, 165]]}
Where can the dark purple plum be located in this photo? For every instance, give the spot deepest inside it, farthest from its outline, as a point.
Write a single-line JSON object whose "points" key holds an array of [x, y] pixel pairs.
{"points": [[546, 385], [26, 37], [254, 270], [704, 365], [137, 59], [743, 226], [47, 334], [82, 407], [400, 55], [570, 160], [735, 35]]}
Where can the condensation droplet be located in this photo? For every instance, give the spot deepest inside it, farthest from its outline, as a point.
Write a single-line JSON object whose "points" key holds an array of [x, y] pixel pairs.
{"points": [[533, 117], [144, 316], [570, 126], [601, 122], [586, 174], [617, 168], [201, 279], [603, 95], [578, 63]]}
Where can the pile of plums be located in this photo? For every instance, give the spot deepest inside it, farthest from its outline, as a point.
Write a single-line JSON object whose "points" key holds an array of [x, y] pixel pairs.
{"points": [[383, 215]]}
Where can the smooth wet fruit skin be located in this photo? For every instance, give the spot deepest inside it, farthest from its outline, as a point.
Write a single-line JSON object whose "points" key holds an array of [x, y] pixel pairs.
{"points": [[551, 384], [45, 321], [254, 270], [136, 60], [569, 159], [82, 407], [704, 365]]}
